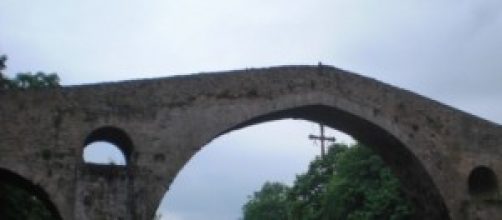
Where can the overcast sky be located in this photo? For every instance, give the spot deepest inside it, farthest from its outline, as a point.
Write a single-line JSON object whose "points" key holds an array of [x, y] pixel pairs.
{"points": [[448, 50]]}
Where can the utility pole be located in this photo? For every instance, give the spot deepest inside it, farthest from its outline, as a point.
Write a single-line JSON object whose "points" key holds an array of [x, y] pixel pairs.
{"points": [[322, 138]]}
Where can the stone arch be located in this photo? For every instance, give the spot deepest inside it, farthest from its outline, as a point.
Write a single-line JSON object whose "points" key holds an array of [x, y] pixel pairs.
{"points": [[12, 178], [114, 136], [173, 117], [482, 181], [416, 181], [100, 185]]}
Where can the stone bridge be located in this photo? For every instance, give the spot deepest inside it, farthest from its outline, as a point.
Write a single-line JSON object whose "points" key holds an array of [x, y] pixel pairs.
{"points": [[448, 161]]}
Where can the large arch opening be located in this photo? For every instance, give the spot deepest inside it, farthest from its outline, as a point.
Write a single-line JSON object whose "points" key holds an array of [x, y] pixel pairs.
{"points": [[416, 182], [231, 167], [21, 199]]}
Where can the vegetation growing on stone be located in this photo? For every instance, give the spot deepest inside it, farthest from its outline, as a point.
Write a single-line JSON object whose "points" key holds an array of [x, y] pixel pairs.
{"points": [[26, 80], [17, 203]]}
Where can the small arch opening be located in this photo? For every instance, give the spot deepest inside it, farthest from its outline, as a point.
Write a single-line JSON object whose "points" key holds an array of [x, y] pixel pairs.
{"points": [[482, 181], [107, 146], [104, 153]]}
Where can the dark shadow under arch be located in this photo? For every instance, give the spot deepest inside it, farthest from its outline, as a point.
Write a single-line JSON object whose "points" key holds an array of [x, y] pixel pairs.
{"points": [[482, 181], [417, 183], [18, 181]]}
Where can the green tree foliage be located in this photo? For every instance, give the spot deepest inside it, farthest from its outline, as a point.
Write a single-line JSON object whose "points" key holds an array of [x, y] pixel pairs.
{"points": [[268, 204], [15, 202], [348, 183], [364, 188], [3, 59], [26, 80], [308, 192], [3, 80]]}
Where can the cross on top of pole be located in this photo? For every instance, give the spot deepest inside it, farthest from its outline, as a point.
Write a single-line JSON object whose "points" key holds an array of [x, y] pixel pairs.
{"points": [[323, 139]]}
